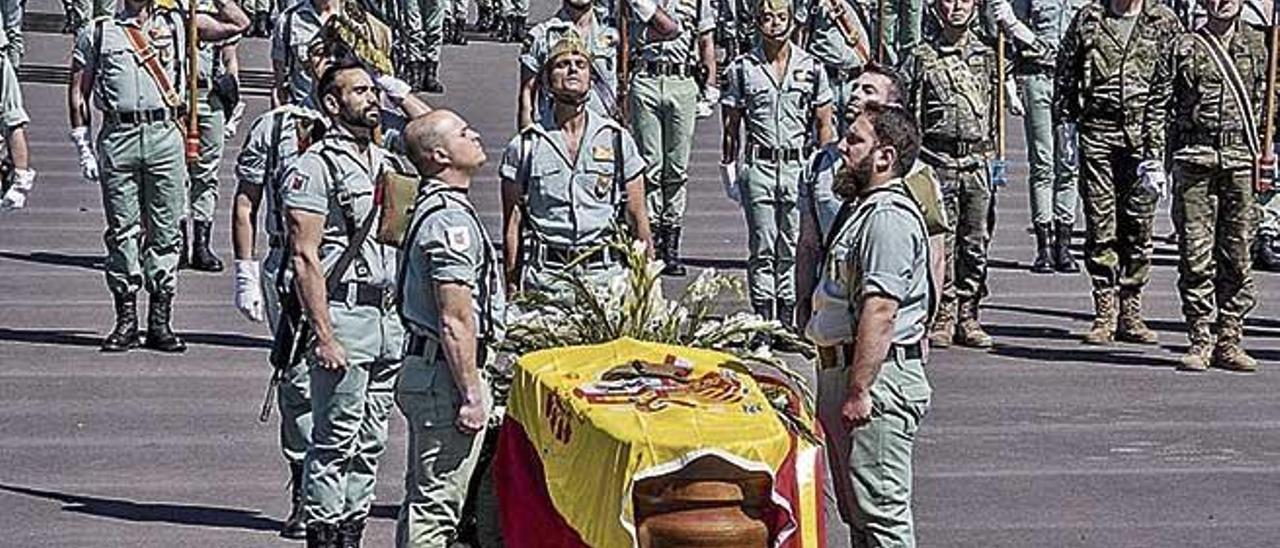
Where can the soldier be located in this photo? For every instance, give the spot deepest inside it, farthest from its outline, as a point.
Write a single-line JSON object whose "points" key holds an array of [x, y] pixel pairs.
{"points": [[601, 39], [831, 31], [1051, 150], [345, 280], [566, 182], [78, 13], [1218, 84], [871, 314], [953, 87], [664, 100], [511, 22], [820, 206], [14, 120], [780, 95], [455, 20], [298, 30], [1105, 71], [452, 301], [132, 65]]}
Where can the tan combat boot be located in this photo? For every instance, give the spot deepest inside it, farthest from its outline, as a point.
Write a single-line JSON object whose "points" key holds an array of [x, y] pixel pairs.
{"points": [[1228, 354], [1104, 318], [944, 325], [970, 333], [1130, 327], [1201, 337]]}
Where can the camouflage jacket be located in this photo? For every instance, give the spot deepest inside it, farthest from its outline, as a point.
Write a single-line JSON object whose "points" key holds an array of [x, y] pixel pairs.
{"points": [[952, 94], [1204, 117], [1104, 82]]}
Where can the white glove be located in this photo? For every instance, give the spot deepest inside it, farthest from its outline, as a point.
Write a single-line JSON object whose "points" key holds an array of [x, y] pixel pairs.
{"points": [[248, 291], [395, 88], [711, 95], [1016, 107], [644, 9], [1151, 176], [729, 179], [233, 121], [16, 197], [88, 162]]}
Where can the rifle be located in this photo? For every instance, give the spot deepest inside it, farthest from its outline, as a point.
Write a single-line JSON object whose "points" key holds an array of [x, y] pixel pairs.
{"points": [[1264, 173], [193, 84], [624, 64], [289, 342]]}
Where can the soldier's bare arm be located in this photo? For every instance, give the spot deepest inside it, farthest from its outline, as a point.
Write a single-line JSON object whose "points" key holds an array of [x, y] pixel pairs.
{"points": [[78, 95], [730, 142], [229, 21], [707, 55], [637, 213], [807, 258], [874, 336], [524, 98], [824, 117], [305, 231], [458, 342], [511, 232]]}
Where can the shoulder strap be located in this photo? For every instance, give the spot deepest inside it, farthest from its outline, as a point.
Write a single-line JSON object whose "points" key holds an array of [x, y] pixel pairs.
{"points": [[410, 238], [269, 178], [150, 60], [1232, 77], [98, 27], [354, 244]]}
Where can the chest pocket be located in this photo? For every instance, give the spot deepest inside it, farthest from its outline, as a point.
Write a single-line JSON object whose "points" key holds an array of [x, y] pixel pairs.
{"points": [[801, 88], [548, 179], [597, 180], [115, 58]]}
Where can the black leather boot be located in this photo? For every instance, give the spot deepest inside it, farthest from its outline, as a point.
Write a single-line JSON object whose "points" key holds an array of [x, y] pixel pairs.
{"points": [[124, 335], [430, 78], [202, 257], [484, 19], [515, 29], [1265, 257], [1043, 263], [322, 535], [672, 253], [295, 526], [1063, 261], [184, 245], [659, 242], [159, 333], [765, 311], [350, 533]]}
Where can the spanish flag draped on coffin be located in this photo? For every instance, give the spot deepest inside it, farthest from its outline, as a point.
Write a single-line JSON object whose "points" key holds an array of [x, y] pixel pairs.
{"points": [[632, 443]]}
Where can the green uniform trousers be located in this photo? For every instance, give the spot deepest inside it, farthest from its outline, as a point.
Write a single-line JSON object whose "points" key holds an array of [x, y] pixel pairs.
{"points": [[294, 398], [871, 465], [663, 112], [441, 458], [143, 175], [1119, 213], [966, 193], [1052, 179], [901, 27], [203, 189], [1216, 206], [349, 410], [769, 194]]}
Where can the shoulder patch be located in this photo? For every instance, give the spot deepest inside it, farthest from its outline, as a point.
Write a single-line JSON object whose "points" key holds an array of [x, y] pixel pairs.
{"points": [[602, 153], [297, 181], [458, 238]]}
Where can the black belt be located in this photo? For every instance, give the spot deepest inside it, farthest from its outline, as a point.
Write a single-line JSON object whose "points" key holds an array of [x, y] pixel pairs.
{"points": [[771, 154], [666, 68], [366, 295], [137, 117], [842, 356], [1219, 139], [956, 148], [416, 346], [557, 255]]}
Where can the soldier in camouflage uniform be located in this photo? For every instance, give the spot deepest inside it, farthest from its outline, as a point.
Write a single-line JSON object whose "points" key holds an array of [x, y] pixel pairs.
{"points": [[1218, 86], [1107, 63], [953, 85]]}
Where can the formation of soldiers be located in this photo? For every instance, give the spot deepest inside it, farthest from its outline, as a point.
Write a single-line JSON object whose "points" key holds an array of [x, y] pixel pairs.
{"points": [[1123, 101]]}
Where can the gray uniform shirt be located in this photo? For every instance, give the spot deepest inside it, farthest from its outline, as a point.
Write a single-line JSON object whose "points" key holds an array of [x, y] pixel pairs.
{"points": [[328, 175], [120, 83], [776, 113], [826, 41], [449, 245], [572, 202]]}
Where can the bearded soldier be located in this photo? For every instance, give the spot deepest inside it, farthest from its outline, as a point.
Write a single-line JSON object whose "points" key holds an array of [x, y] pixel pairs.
{"points": [[1218, 85], [953, 86], [1104, 79]]}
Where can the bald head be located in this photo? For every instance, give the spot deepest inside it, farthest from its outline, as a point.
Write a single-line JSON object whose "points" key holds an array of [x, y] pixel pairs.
{"points": [[442, 141]]}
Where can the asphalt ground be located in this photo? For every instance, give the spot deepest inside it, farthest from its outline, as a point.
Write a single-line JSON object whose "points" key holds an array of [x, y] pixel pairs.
{"points": [[1039, 442]]}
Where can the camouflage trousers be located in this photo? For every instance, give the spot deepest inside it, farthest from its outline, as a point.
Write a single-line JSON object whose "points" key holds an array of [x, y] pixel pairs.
{"points": [[966, 194], [1118, 212], [1216, 206]]}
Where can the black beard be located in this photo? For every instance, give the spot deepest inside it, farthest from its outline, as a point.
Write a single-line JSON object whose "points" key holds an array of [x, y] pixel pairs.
{"points": [[850, 181], [358, 119]]}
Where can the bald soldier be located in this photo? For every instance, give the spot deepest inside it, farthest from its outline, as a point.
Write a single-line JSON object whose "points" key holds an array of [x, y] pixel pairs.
{"points": [[452, 302]]}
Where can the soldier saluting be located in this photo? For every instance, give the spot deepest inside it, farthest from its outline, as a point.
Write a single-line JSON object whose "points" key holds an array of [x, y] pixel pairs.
{"points": [[132, 64]]}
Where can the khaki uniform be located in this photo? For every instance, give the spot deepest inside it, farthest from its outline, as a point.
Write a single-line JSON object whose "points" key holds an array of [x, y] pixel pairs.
{"points": [[349, 408], [446, 244], [952, 91]]}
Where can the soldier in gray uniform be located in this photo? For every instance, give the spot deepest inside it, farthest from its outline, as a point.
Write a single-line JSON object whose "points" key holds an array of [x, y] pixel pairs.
{"points": [[567, 182], [131, 64], [871, 313], [453, 303], [346, 294], [13, 123], [831, 31], [202, 175], [780, 96]]}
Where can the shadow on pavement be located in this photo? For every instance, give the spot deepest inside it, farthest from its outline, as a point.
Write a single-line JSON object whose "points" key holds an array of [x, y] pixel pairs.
{"points": [[146, 512], [85, 338], [91, 262], [1109, 356]]}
